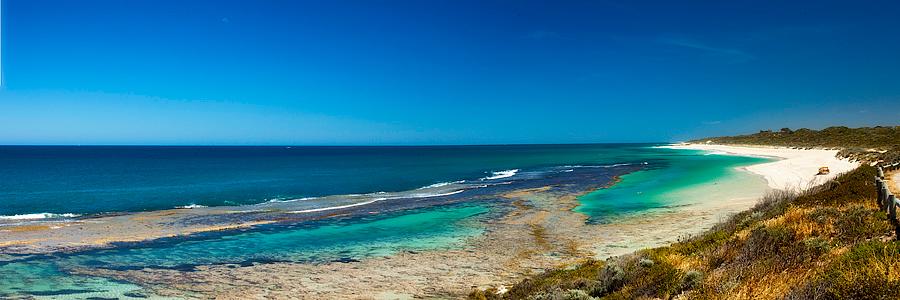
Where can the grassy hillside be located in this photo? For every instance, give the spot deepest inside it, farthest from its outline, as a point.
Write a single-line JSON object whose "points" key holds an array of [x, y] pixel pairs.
{"points": [[830, 242], [866, 143]]}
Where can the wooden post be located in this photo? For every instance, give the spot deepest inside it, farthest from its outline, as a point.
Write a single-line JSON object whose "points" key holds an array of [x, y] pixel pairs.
{"points": [[892, 209], [878, 185], [884, 196], [893, 203], [880, 173]]}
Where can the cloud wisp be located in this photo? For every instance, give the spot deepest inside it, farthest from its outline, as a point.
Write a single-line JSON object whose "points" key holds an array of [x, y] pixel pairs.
{"points": [[735, 55], [542, 35]]}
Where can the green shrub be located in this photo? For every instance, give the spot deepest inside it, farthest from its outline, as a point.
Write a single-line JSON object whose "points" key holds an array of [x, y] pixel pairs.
{"points": [[742, 255], [817, 246], [767, 242], [692, 279], [868, 271], [854, 142], [860, 223], [583, 276], [856, 187]]}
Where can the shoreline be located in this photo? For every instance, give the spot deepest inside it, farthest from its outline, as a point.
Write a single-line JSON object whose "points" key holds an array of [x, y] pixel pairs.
{"points": [[113, 230], [541, 231], [795, 169]]}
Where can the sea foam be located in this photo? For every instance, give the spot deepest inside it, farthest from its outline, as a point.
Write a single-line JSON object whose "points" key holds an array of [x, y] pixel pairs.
{"points": [[412, 196], [440, 184], [190, 206], [599, 166], [38, 216], [501, 174]]}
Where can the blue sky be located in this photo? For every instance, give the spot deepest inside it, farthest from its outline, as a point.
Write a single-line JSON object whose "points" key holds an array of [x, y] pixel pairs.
{"points": [[440, 72]]}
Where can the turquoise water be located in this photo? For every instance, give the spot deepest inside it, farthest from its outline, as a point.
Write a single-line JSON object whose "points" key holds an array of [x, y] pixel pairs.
{"points": [[650, 178], [686, 176], [331, 240]]}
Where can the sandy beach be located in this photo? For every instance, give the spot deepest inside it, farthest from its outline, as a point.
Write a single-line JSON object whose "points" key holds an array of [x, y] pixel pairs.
{"points": [[795, 168]]}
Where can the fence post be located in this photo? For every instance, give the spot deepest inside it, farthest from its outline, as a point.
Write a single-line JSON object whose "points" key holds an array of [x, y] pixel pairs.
{"points": [[880, 173], [878, 185], [894, 221], [884, 195], [892, 209]]}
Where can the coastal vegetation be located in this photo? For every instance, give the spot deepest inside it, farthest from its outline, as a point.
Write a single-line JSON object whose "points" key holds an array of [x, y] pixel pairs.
{"points": [[879, 143], [828, 242]]}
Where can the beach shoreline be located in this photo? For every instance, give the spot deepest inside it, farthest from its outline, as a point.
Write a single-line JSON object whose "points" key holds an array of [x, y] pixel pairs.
{"points": [[541, 231], [795, 169]]}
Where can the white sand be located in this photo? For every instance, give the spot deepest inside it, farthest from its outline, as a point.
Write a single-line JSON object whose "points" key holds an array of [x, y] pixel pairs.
{"points": [[795, 169], [893, 181]]}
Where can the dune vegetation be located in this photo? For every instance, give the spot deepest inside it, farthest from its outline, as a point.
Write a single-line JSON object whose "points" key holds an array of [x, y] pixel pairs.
{"points": [[828, 242], [879, 143]]}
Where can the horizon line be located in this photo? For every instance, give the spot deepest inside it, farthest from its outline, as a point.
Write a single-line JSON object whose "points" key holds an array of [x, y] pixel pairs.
{"points": [[323, 145]]}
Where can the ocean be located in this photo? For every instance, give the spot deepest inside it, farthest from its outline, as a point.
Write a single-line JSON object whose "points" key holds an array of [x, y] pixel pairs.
{"points": [[96, 179], [409, 198]]}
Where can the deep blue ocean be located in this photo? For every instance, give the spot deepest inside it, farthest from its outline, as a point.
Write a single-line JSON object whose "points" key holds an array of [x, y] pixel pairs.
{"points": [[98, 179]]}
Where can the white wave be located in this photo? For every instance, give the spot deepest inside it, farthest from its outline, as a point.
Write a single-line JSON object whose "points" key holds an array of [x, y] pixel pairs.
{"points": [[430, 195], [598, 166], [717, 153], [291, 200], [617, 165], [376, 200], [440, 184], [191, 206], [501, 174], [38, 216], [336, 207]]}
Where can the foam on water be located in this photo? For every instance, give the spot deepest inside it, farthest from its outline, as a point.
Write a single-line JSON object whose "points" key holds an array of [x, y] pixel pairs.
{"points": [[501, 174], [717, 153], [191, 206], [600, 166], [38, 216]]}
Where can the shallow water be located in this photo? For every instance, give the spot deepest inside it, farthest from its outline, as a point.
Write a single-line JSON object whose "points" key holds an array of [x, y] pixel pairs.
{"points": [[328, 240], [682, 177]]}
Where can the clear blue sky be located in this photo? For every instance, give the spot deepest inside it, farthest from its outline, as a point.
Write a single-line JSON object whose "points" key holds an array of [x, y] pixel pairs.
{"points": [[440, 72]]}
